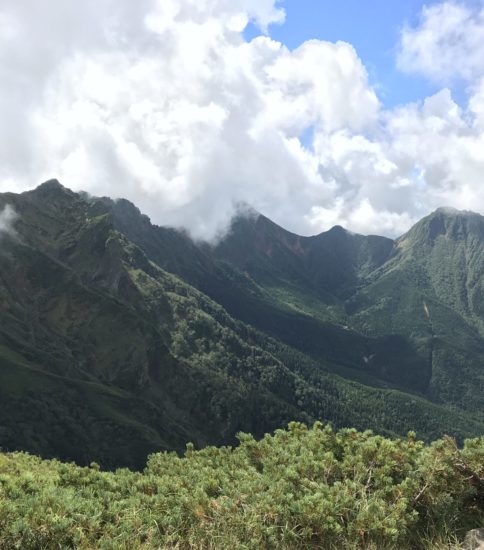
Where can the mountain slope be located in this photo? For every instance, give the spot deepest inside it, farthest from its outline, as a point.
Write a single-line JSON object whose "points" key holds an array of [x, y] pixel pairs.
{"points": [[271, 279], [118, 338], [430, 293]]}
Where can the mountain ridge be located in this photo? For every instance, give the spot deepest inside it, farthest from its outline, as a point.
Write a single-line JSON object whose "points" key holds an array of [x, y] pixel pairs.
{"points": [[146, 332]]}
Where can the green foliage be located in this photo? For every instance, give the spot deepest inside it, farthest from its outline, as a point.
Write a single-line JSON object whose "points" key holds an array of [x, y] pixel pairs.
{"points": [[300, 488], [119, 338]]}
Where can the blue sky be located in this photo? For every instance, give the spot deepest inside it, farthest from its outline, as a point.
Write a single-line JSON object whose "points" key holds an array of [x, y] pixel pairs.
{"points": [[373, 28]]}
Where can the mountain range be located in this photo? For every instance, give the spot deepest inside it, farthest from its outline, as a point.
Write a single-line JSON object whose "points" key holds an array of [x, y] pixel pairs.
{"points": [[119, 338]]}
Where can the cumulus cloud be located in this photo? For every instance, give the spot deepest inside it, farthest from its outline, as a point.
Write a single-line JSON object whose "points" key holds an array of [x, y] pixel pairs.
{"points": [[164, 102], [447, 43]]}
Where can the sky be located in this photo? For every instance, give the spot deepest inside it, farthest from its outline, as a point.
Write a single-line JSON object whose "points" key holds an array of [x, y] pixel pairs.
{"points": [[364, 114], [373, 28]]}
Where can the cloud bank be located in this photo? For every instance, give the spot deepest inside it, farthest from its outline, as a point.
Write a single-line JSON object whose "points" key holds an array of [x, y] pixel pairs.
{"points": [[164, 102]]}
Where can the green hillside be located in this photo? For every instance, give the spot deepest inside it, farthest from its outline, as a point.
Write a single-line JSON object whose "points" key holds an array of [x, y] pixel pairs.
{"points": [[119, 338]]}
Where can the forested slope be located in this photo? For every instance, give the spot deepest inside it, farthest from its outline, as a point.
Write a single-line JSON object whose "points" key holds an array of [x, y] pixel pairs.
{"points": [[119, 338]]}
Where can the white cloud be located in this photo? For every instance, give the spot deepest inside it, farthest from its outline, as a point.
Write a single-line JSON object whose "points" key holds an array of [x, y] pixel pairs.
{"points": [[164, 102], [170, 107], [7, 219], [425, 155], [447, 43]]}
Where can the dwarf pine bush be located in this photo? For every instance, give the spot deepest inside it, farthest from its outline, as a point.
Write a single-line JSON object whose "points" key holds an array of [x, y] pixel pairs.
{"points": [[299, 488]]}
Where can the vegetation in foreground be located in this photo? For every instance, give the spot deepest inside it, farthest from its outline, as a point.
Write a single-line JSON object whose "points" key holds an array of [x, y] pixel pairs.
{"points": [[299, 488]]}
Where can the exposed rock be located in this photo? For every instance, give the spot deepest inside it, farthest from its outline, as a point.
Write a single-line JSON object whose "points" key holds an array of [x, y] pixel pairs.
{"points": [[474, 540]]}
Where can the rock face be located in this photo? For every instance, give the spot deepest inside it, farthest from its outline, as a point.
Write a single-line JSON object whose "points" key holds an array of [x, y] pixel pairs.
{"points": [[474, 540]]}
